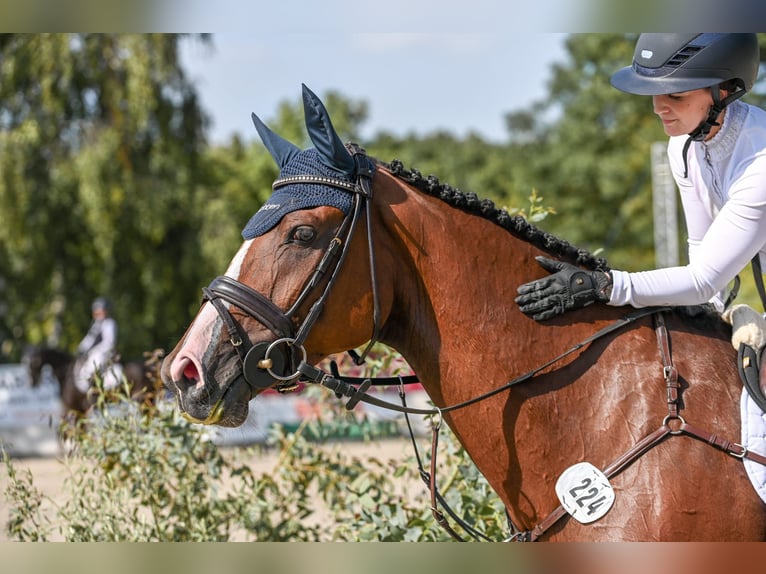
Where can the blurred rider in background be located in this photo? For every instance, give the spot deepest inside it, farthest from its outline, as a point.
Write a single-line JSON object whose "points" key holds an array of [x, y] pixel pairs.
{"points": [[97, 350]]}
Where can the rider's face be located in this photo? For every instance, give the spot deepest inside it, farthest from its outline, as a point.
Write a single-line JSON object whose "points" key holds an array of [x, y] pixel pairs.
{"points": [[682, 112]]}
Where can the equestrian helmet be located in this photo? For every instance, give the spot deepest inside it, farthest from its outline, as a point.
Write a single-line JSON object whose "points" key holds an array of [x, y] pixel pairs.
{"points": [[672, 63], [101, 303]]}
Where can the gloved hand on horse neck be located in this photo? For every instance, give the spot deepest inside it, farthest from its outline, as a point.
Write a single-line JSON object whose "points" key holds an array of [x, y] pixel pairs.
{"points": [[568, 288]]}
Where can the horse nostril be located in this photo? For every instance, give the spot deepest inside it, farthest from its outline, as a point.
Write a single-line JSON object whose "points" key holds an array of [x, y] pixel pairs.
{"points": [[190, 372], [183, 373]]}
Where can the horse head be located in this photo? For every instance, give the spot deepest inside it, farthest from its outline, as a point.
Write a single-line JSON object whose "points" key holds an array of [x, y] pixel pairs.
{"points": [[33, 362], [36, 357], [264, 316]]}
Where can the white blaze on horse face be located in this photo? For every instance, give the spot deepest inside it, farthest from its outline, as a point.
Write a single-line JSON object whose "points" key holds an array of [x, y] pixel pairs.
{"points": [[236, 264], [200, 333]]}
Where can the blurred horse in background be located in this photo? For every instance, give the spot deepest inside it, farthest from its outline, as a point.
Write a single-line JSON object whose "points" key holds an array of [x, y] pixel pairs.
{"points": [[142, 377]]}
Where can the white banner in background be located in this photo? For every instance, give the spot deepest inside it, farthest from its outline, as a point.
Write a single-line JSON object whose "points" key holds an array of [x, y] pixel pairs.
{"points": [[29, 417]]}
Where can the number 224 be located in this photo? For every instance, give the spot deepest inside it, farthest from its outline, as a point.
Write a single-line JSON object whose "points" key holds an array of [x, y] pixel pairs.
{"points": [[585, 499]]}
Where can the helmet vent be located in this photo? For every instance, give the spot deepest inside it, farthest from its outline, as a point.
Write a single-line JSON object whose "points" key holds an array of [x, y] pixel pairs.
{"points": [[682, 55]]}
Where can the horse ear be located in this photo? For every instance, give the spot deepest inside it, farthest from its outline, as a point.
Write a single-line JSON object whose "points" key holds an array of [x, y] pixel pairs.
{"points": [[331, 150], [280, 149]]}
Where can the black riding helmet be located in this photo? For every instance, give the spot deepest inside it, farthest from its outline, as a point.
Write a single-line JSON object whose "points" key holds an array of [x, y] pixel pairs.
{"points": [[671, 63], [674, 63]]}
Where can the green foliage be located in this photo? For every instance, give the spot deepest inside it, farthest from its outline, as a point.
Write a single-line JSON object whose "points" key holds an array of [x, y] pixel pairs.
{"points": [[139, 473], [592, 158], [100, 138], [472, 164], [26, 521], [537, 210]]}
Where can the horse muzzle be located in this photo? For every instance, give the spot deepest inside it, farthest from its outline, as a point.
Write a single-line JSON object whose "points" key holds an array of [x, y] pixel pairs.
{"points": [[264, 364]]}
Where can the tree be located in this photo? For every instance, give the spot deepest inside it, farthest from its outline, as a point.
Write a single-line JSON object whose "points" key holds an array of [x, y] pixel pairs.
{"points": [[591, 161], [100, 138]]}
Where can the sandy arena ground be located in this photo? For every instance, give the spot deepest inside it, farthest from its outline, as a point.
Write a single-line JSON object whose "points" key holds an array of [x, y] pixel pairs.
{"points": [[49, 473]]}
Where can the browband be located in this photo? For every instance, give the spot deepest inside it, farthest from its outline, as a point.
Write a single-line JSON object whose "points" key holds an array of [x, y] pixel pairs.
{"points": [[318, 179]]}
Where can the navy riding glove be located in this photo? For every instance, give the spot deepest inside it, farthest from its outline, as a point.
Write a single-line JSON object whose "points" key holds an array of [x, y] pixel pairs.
{"points": [[568, 288]]}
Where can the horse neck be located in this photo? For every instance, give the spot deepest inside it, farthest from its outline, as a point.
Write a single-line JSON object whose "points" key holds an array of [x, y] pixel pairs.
{"points": [[455, 283], [61, 363], [454, 318], [455, 321]]}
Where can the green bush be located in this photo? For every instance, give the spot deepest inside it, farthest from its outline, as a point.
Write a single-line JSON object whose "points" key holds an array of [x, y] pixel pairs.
{"points": [[141, 473]]}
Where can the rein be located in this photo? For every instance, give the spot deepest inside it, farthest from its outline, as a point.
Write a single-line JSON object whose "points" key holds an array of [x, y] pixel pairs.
{"points": [[344, 386]]}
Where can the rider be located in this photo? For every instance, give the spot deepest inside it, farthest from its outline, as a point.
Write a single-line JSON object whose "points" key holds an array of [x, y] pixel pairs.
{"points": [[96, 351], [717, 152]]}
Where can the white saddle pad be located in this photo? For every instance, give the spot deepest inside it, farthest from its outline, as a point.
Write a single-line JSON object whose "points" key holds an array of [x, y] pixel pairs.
{"points": [[754, 439]]}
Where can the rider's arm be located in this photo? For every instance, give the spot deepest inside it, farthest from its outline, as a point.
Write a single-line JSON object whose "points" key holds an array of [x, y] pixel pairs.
{"points": [[719, 248]]}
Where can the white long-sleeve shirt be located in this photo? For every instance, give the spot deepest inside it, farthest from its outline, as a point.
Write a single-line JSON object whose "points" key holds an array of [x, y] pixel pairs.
{"points": [[100, 341], [724, 202]]}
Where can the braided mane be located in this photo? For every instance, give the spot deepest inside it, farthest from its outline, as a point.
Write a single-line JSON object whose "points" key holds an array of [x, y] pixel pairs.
{"points": [[517, 225]]}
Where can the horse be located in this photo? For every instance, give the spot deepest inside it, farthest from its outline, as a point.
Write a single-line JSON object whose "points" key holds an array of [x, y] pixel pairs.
{"points": [[142, 377], [648, 398]]}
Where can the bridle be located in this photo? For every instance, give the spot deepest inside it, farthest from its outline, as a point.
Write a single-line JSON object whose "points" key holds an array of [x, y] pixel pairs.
{"points": [[275, 363]]}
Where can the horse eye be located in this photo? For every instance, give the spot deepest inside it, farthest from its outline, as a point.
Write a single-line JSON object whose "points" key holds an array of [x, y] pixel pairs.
{"points": [[303, 234]]}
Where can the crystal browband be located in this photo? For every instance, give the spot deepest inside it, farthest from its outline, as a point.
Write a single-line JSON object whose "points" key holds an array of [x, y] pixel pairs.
{"points": [[318, 179]]}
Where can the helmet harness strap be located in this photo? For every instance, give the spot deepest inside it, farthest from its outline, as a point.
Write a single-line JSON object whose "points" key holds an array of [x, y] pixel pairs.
{"points": [[702, 130]]}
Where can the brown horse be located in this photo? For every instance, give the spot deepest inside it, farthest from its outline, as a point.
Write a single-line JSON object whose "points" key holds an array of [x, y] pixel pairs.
{"points": [[142, 376], [434, 276]]}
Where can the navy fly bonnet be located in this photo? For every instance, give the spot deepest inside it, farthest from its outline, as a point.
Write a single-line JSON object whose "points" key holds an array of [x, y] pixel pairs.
{"points": [[329, 158], [329, 174]]}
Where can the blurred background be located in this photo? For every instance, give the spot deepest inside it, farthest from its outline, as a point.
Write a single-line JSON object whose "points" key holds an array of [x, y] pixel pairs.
{"points": [[129, 165]]}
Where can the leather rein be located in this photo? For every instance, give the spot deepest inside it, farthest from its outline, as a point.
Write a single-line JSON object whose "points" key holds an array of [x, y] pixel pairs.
{"points": [[275, 364]]}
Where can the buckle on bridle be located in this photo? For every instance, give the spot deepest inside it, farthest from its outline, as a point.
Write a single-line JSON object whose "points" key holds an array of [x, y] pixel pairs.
{"points": [[264, 360]]}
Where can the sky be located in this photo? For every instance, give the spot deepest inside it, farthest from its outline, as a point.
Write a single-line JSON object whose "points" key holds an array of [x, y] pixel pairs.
{"points": [[421, 65], [411, 81]]}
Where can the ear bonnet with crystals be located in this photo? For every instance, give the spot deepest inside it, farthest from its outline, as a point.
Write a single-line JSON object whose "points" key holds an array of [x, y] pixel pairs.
{"points": [[328, 158]]}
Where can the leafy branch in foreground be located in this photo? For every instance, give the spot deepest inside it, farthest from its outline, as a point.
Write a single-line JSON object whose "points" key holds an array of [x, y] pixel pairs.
{"points": [[139, 473]]}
